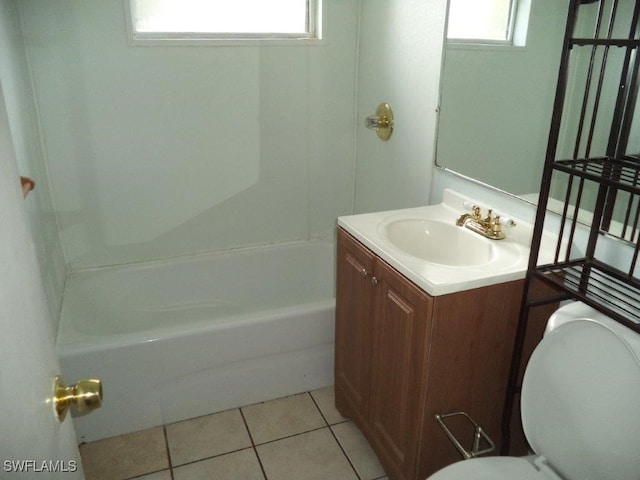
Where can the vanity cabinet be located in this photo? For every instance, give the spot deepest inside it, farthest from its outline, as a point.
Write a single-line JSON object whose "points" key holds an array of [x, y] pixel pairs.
{"points": [[403, 356]]}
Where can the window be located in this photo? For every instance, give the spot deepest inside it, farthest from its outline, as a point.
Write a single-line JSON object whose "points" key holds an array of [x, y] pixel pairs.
{"points": [[482, 21], [224, 19]]}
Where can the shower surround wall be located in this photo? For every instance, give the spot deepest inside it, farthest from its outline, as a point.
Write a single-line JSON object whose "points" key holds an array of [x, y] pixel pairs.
{"points": [[23, 121], [158, 152], [400, 56]]}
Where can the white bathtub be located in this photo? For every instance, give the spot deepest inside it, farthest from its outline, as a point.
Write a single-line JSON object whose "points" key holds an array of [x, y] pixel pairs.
{"points": [[177, 339]]}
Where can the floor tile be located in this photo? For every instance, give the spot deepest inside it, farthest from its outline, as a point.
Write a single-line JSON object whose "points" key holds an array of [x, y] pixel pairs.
{"points": [[358, 450], [232, 466], [325, 399], [207, 436], [125, 456], [282, 417], [309, 456]]}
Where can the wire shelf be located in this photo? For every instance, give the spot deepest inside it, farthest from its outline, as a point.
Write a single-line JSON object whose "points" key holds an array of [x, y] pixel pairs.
{"points": [[622, 173], [606, 42], [601, 286]]}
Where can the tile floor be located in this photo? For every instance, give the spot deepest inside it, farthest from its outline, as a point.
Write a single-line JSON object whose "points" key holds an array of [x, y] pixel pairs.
{"points": [[301, 437]]}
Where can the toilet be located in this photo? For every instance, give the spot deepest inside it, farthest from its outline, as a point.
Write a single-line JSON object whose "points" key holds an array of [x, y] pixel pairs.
{"points": [[580, 405]]}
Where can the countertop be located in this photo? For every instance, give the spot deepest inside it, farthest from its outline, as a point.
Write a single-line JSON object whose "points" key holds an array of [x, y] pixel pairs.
{"points": [[436, 279]]}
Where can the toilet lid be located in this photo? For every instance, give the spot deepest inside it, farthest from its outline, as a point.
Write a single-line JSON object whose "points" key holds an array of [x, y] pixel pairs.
{"points": [[580, 399]]}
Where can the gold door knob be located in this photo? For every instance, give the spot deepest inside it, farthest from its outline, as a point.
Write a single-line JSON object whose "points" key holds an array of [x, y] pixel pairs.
{"points": [[86, 395]]}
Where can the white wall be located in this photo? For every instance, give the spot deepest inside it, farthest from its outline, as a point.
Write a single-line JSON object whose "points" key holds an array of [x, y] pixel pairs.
{"points": [[497, 199], [22, 112], [163, 151], [400, 57]]}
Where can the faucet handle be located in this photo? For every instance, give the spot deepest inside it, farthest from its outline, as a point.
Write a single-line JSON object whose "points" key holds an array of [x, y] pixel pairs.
{"points": [[496, 228], [489, 219]]}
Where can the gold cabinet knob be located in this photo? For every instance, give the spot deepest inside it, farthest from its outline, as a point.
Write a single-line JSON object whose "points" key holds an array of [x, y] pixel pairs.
{"points": [[84, 396]]}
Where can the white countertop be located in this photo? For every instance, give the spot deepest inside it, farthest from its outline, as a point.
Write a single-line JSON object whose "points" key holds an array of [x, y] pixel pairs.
{"points": [[511, 253]]}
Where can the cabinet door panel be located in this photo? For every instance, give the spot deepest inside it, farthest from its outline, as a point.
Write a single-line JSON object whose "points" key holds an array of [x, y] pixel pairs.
{"points": [[399, 363], [471, 345], [353, 327]]}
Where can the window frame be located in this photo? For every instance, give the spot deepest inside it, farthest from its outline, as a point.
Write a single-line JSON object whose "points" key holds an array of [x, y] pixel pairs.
{"points": [[512, 38], [313, 36]]}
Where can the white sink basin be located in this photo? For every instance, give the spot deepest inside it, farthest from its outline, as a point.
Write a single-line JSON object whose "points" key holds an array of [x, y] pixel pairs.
{"points": [[439, 242], [426, 246]]}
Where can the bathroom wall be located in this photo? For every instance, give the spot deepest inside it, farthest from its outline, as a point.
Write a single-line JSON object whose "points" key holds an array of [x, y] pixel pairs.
{"points": [[22, 112], [400, 59], [498, 199], [157, 152]]}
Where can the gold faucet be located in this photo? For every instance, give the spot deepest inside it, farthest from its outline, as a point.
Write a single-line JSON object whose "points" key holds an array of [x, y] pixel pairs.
{"points": [[488, 226]]}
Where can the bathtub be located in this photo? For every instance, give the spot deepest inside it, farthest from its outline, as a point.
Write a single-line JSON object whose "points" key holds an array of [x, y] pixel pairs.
{"points": [[186, 337]]}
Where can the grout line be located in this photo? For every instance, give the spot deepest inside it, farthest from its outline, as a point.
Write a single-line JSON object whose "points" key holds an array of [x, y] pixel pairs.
{"points": [[345, 454], [246, 425], [335, 437], [293, 435], [166, 446], [166, 449], [253, 444], [210, 458], [151, 473], [319, 409], [344, 420]]}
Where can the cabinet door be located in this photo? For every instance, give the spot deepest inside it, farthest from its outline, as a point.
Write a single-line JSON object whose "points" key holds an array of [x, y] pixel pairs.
{"points": [[354, 326], [401, 335]]}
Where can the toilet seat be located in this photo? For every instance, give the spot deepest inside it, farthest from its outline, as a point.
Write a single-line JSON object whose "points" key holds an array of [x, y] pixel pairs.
{"points": [[579, 409], [491, 468]]}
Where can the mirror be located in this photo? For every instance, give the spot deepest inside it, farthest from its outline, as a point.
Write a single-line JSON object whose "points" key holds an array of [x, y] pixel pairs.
{"points": [[497, 101]]}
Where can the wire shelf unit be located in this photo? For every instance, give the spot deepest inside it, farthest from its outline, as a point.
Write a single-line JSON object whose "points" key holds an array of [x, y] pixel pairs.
{"points": [[590, 189], [593, 162]]}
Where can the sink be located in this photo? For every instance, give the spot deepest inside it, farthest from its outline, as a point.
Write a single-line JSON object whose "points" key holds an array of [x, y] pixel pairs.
{"points": [[438, 242], [426, 246]]}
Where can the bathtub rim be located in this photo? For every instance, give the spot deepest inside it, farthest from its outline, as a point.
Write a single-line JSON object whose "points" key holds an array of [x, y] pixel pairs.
{"points": [[108, 342]]}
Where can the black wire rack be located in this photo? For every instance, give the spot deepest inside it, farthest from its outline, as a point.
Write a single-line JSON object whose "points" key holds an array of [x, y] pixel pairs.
{"points": [[590, 190]]}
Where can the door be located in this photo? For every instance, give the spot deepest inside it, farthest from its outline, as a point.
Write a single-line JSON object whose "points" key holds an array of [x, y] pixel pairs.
{"points": [[33, 443], [401, 336], [354, 295]]}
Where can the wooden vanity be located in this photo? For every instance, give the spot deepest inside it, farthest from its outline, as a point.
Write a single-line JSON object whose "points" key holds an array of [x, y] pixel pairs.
{"points": [[403, 356]]}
